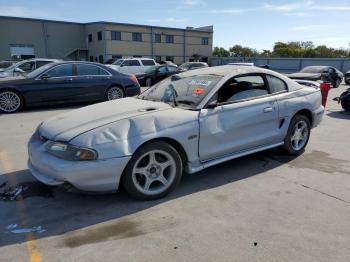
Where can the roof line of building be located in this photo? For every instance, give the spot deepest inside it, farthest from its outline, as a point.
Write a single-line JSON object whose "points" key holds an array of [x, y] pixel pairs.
{"points": [[207, 29]]}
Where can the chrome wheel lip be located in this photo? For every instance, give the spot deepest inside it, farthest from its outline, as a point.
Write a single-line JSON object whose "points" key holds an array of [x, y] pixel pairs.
{"points": [[9, 101], [114, 93], [300, 135], [158, 176]]}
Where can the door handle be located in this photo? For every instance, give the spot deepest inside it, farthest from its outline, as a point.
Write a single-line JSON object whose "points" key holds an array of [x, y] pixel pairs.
{"points": [[69, 79], [268, 109]]}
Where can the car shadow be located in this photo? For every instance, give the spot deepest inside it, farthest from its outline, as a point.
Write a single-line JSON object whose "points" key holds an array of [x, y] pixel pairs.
{"points": [[55, 211], [339, 114]]}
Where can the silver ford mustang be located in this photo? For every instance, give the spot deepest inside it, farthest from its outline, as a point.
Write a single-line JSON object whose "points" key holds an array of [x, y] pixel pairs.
{"points": [[190, 121]]}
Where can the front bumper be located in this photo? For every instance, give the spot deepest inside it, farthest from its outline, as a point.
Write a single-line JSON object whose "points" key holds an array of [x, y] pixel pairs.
{"points": [[95, 176]]}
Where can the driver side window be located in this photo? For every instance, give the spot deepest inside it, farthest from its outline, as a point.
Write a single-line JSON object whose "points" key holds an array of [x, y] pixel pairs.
{"points": [[242, 88], [61, 71]]}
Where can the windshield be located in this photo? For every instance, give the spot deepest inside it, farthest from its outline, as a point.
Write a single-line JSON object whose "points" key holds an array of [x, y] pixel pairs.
{"points": [[184, 66], [313, 69], [118, 62], [12, 66], [182, 91], [39, 71]]}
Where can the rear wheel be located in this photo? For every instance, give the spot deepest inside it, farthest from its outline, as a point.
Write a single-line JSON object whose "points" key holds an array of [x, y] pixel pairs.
{"points": [[113, 93], [298, 135], [153, 171], [10, 101]]}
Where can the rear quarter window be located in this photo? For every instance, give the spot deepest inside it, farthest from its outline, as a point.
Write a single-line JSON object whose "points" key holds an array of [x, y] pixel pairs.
{"points": [[148, 62], [276, 85]]}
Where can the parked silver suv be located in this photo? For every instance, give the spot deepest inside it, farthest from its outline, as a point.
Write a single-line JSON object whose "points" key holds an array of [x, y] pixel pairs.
{"points": [[25, 67]]}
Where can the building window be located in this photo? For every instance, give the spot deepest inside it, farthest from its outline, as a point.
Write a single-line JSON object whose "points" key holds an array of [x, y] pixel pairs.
{"points": [[99, 35], [91, 58], [205, 41], [116, 35], [158, 58], [157, 38], [100, 59], [90, 38], [169, 58], [169, 39], [137, 37]]}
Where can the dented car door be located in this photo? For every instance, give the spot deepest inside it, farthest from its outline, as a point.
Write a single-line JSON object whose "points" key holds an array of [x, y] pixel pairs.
{"points": [[236, 127]]}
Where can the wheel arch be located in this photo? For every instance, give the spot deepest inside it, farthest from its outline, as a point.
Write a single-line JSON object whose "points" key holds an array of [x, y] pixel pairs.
{"points": [[113, 84], [307, 113]]}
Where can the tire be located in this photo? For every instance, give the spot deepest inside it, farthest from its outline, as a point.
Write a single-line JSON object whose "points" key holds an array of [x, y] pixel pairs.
{"points": [[10, 101], [291, 144], [347, 81], [148, 82], [153, 171], [337, 83], [114, 92]]}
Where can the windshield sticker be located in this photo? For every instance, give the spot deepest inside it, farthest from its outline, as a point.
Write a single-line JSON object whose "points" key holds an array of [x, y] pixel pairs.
{"points": [[197, 91], [199, 82]]}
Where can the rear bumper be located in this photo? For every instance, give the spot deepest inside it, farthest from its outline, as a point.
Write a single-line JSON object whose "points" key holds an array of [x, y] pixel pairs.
{"points": [[96, 176], [317, 116], [133, 90]]}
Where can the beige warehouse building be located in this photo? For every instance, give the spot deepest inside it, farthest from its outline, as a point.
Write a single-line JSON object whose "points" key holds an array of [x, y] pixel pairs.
{"points": [[100, 41]]}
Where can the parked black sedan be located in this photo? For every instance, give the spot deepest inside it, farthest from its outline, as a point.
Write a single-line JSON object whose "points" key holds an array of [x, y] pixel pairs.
{"points": [[324, 73], [65, 82], [156, 74]]}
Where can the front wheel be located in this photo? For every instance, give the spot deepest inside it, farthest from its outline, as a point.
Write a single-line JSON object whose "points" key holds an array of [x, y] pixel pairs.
{"points": [[10, 101], [298, 135], [153, 171], [113, 93]]}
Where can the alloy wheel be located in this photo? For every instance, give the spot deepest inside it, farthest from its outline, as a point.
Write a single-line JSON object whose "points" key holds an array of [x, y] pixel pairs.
{"points": [[9, 101], [300, 135], [154, 172], [115, 93]]}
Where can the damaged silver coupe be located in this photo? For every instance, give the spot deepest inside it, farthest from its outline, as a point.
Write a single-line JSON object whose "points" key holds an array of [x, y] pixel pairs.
{"points": [[187, 122]]}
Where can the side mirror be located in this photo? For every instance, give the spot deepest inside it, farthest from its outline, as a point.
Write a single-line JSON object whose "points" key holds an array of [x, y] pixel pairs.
{"points": [[121, 65], [45, 76]]}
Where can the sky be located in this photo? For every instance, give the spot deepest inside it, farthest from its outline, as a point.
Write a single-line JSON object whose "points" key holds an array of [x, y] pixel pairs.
{"points": [[253, 23]]}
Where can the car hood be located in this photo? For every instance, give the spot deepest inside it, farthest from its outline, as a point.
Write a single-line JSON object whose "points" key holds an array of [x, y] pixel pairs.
{"points": [[67, 126], [10, 80], [305, 75]]}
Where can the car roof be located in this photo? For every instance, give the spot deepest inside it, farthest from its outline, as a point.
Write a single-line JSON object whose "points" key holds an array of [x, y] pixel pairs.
{"points": [[41, 59], [224, 70]]}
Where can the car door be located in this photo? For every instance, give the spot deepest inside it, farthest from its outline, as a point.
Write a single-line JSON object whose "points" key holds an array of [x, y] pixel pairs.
{"points": [[91, 82], [54, 85], [162, 73], [248, 119], [130, 67]]}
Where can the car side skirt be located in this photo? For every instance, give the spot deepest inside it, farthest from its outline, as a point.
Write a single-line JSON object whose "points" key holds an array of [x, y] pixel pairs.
{"points": [[196, 168]]}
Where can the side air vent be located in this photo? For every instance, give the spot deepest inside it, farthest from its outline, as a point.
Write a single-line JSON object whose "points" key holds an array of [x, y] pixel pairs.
{"points": [[281, 123]]}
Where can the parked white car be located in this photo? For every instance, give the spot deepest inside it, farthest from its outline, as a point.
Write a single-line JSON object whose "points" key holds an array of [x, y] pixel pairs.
{"points": [[25, 67], [133, 65]]}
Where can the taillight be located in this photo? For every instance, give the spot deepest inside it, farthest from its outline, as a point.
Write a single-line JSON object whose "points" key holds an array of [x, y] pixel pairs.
{"points": [[134, 79]]}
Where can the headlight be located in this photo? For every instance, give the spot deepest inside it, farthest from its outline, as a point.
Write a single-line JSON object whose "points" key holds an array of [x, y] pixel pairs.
{"points": [[70, 152]]}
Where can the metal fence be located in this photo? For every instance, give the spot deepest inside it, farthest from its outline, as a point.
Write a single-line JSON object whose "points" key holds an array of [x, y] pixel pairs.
{"points": [[285, 65]]}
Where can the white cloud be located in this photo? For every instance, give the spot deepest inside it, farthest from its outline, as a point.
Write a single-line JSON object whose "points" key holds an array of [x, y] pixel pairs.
{"points": [[226, 11], [189, 4], [288, 7], [315, 27]]}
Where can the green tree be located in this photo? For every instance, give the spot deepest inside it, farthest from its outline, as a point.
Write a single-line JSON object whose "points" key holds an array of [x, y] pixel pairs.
{"points": [[241, 51], [220, 52]]}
